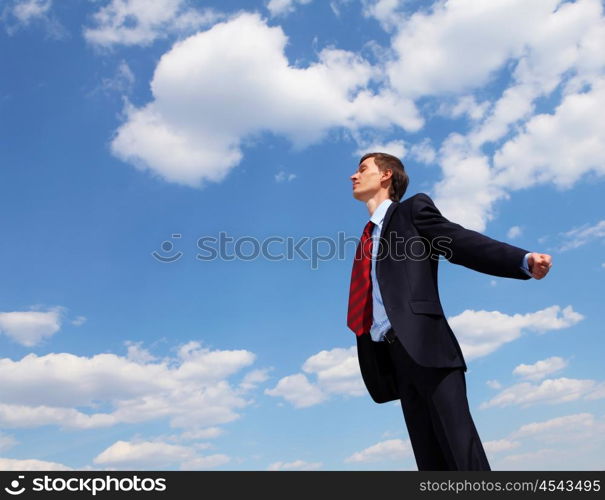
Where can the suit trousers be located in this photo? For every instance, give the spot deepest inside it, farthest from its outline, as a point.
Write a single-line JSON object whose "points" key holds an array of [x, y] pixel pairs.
{"points": [[437, 415]]}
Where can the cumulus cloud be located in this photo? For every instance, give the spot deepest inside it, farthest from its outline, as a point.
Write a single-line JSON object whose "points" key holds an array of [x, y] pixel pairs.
{"points": [[298, 391], [295, 465], [482, 332], [12, 464], [554, 45], [232, 82], [140, 22], [192, 390], [499, 445], [423, 152], [386, 12], [514, 232], [396, 148], [494, 384], [390, 450], [283, 176], [561, 443], [156, 454], [334, 372], [225, 87], [29, 328], [580, 236], [28, 10], [557, 148], [540, 369], [284, 7], [549, 391], [18, 14]]}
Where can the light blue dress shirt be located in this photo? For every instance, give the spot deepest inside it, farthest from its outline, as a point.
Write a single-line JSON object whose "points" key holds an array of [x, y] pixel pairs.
{"points": [[381, 323]]}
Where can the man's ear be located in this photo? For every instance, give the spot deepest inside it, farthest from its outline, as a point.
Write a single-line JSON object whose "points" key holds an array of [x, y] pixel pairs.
{"points": [[389, 174]]}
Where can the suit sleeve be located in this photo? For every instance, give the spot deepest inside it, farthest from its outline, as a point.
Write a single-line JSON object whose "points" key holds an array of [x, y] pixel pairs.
{"points": [[466, 247]]}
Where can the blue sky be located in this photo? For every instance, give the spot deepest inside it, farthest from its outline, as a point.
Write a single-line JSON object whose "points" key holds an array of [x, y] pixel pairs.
{"points": [[131, 129]]}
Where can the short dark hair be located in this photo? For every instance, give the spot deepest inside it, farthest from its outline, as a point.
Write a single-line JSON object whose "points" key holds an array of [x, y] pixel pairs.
{"points": [[399, 179]]}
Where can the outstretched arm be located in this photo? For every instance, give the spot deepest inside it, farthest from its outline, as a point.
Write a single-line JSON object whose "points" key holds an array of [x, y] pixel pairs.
{"points": [[466, 247]]}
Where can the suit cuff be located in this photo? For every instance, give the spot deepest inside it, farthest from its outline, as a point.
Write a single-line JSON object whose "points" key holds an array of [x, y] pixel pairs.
{"points": [[525, 265]]}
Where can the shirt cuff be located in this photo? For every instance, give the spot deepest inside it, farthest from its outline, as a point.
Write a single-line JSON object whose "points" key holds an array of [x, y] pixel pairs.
{"points": [[525, 265]]}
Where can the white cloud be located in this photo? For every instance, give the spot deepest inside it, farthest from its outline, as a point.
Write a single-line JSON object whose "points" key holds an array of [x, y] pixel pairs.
{"points": [[392, 449], [208, 433], [137, 353], [297, 390], [433, 53], [156, 454], [191, 390], [482, 332], [18, 14], [29, 328], [11, 464], [550, 430], [23, 416], [553, 45], [295, 465], [499, 446], [541, 368], [336, 372], [580, 236], [549, 391], [140, 22], [395, 148], [467, 105], [432, 46], [253, 378], [27, 10], [122, 81], [284, 7], [514, 232], [558, 148], [282, 176], [79, 321], [573, 442], [219, 87], [386, 12], [494, 384], [423, 152]]}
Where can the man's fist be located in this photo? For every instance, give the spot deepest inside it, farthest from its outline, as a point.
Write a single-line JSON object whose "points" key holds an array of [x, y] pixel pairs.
{"points": [[539, 264]]}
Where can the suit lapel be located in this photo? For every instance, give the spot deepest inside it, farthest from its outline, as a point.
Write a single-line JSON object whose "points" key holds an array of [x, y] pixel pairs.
{"points": [[382, 241]]}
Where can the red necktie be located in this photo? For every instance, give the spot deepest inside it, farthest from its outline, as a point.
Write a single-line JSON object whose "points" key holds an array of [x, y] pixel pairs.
{"points": [[359, 318]]}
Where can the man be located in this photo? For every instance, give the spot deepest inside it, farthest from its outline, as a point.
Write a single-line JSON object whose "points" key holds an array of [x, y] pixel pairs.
{"points": [[405, 347]]}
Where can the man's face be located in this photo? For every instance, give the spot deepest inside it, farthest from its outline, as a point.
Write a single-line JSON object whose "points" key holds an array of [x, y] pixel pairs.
{"points": [[367, 180]]}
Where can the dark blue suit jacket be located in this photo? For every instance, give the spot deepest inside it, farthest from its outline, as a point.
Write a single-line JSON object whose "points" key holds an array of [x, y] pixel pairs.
{"points": [[414, 235]]}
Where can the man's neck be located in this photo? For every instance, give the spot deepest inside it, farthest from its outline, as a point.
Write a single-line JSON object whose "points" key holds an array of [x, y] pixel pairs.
{"points": [[374, 202]]}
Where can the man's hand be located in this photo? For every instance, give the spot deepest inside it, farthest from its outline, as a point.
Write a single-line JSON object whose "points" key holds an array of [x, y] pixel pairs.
{"points": [[539, 264]]}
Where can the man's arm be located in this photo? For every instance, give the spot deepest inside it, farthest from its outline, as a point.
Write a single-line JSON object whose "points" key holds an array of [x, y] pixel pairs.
{"points": [[466, 247]]}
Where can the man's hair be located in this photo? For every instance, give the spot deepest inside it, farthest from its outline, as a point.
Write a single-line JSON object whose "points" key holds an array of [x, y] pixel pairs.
{"points": [[399, 179]]}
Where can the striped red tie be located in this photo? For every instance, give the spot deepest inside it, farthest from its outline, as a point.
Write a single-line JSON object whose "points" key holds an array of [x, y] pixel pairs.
{"points": [[359, 318]]}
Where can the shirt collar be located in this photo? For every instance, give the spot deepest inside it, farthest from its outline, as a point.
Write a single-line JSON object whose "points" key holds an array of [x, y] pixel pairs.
{"points": [[380, 212]]}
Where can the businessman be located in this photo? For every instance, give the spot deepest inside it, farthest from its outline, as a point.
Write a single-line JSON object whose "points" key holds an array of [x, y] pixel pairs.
{"points": [[405, 347]]}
